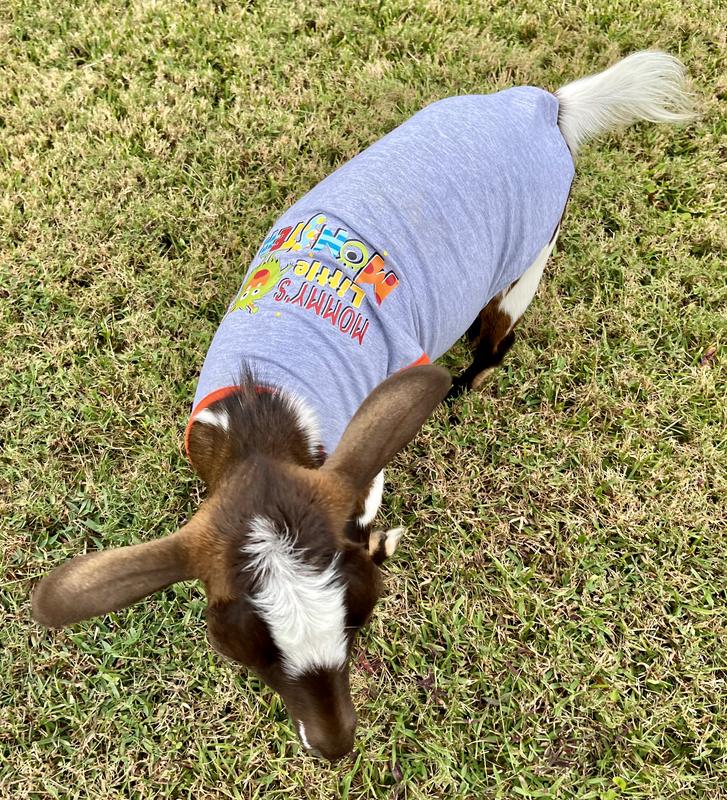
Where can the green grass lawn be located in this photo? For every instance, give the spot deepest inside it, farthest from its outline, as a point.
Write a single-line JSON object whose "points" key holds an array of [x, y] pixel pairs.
{"points": [[555, 621]]}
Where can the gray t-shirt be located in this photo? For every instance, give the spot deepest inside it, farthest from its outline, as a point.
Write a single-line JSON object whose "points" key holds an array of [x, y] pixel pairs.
{"points": [[387, 261]]}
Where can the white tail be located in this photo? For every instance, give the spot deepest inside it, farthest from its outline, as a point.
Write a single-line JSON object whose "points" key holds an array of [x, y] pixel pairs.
{"points": [[649, 85]]}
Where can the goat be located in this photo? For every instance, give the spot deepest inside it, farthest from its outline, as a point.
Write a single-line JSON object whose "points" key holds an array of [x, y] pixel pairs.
{"points": [[469, 193]]}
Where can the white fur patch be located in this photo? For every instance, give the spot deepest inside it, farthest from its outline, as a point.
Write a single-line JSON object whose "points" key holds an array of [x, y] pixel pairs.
{"points": [[303, 607], [516, 301], [373, 501], [219, 419], [389, 538], [306, 420], [391, 541], [303, 738]]}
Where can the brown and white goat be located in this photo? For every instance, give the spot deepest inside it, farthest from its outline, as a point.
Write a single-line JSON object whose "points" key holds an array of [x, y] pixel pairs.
{"points": [[283, 544]]}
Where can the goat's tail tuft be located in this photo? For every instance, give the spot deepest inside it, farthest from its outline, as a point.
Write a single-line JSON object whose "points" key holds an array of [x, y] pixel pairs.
{"points": [[649, 85]]}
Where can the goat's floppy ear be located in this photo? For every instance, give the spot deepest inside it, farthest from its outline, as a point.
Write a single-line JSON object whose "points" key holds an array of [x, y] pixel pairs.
{"points": [[383, 544], [96, 583], [387, 420]]}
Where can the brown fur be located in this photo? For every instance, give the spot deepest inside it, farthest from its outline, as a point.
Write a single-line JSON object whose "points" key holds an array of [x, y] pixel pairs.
{"points": [[280, 483], [261, 465], [110, 579], [264, 424]]}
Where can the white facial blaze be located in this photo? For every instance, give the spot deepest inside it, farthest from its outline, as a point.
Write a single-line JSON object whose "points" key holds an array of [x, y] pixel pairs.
{"points": [[303, 737], [304, 607]]}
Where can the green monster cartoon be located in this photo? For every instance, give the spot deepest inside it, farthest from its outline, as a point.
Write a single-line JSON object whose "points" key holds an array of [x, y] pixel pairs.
{"points": [[263, 278]]}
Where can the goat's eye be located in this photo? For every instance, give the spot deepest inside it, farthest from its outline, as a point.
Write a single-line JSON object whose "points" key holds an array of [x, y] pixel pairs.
{"points": [[364, 586], [353, 624], [355, 621]]}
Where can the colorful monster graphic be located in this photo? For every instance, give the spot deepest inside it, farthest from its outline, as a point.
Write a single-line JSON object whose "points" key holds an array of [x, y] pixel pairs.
{"points": [[264, 277]]}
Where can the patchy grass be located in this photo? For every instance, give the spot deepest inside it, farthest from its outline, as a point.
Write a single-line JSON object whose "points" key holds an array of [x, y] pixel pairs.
{"points": [[555, 623]]}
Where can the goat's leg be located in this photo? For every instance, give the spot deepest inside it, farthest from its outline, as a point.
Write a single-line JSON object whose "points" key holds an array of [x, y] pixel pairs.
{"points": [[493, 331], [488, 353]]}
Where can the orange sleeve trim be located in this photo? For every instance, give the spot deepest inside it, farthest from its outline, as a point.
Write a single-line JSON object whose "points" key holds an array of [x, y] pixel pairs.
{"points": [[423, 359], [207, 400]]}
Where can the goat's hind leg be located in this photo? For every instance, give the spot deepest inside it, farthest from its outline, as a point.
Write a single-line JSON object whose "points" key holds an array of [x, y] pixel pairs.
{"points": [[493, 339], [493, 331]]}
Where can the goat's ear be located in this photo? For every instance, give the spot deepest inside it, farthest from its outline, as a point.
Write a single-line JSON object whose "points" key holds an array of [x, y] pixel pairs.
{"points": [[94, 584], [387, 420], [383, 544]]}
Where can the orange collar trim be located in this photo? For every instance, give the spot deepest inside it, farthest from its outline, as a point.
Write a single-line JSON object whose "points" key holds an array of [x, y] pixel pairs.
{"points": [[226, 391]]}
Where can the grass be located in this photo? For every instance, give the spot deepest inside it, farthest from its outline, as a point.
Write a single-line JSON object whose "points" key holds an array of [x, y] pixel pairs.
{"points": [[555, 621]]}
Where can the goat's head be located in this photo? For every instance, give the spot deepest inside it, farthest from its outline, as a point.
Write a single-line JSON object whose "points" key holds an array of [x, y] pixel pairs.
{"points": [[287, 589]]}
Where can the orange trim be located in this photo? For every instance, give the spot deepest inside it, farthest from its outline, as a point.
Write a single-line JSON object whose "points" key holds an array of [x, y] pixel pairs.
{"points": [[226, 391], [423, 359], [218, 394]]}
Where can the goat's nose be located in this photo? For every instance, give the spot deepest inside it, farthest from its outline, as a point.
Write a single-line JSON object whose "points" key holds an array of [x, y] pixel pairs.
{"points": [[335, 750], [332, 748]]}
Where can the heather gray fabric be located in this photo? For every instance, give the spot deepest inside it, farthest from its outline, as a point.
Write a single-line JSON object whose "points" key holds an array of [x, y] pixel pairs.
{"points": [[390, 259]]}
